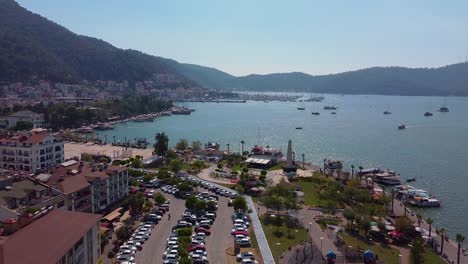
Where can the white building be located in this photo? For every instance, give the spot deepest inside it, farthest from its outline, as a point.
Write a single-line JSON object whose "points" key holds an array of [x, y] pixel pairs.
{"points": [[37, 120], [30, 151]]}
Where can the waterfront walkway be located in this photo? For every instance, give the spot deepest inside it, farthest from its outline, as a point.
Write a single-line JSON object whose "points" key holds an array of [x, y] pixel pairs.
{"points": [[450, 247], [261, 238]]}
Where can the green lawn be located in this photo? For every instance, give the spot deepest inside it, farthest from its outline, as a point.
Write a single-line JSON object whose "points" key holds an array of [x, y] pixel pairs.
{"points": [[384, 252], [278, 166], [430, 257], [279, 240], [311, 194]]}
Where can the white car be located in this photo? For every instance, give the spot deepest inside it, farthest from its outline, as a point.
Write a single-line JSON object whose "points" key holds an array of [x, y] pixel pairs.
{"points": [[170, 252], [121, 258], [170, 258], [134, 243], [171, 243], [150, 194], [198, 252], [242, 222], [245, 255], [128, 247], [200, 235], [248, 261]]}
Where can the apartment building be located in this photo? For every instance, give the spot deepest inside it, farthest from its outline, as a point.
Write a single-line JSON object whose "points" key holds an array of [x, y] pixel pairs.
{"points": [[29, 151], [90, 187], [59, 236]]}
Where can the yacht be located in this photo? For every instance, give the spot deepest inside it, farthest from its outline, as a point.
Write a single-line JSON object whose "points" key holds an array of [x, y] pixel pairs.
{"points": [[301, 108], [402, 126], [387, 113], [328, 107], [315, 113], [444, 109], [428, 114], [333, 113], [298, 127]]}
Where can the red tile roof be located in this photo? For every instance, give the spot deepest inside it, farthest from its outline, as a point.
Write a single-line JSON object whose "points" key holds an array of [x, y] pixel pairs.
{"points": [[48, 239]]}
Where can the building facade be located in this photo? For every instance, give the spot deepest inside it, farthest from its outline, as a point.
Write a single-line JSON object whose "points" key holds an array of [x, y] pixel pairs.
{"points": [[37, 120], [30, 151], [59, 236]]}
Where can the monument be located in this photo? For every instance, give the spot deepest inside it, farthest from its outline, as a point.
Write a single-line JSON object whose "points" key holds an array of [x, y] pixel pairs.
{"points": [[289, 170]]}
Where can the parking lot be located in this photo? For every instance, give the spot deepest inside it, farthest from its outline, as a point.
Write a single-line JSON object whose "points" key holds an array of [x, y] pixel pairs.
{"points": [[155, 246], [220, 238]]}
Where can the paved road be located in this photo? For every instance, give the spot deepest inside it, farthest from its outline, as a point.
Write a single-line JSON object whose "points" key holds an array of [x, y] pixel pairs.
{"points": [[220, 238], [261, 238], [155, 246]]}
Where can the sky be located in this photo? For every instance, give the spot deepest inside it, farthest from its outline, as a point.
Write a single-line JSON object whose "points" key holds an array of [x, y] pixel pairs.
{"points": [[265, 36]]}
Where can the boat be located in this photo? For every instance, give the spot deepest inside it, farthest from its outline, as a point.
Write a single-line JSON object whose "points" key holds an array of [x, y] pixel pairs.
{"points": [[333, 113], [387, 113], [428, 114], [315, 113], [301, 108], [181, 111], [102, 126], [328, 107], [144, 118], [387, 177], [402, 126], [444, 109], [298, 127], [85, 129], [411, 179]]}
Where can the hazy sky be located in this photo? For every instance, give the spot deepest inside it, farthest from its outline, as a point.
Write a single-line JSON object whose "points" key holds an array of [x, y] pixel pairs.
{"points": [[256, 36]]}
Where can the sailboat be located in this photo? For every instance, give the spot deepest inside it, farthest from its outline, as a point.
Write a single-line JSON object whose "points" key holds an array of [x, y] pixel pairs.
{"points": [[387, 112], [302, 107], [444, 108]]}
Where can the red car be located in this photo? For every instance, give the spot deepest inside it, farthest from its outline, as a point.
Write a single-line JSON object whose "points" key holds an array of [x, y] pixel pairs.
{"points": [[196, 247], [245, 233], [203, 230]]}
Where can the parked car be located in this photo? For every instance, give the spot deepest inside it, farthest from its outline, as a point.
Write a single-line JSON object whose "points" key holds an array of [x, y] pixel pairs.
{"points": [[243, 255]]}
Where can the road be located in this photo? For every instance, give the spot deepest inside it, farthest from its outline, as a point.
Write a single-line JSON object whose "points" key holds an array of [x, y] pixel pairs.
{"points": [[220, 238], [155, 246]]}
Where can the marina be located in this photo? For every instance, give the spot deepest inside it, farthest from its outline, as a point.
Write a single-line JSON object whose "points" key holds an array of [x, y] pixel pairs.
{"points": [[341, 137]]}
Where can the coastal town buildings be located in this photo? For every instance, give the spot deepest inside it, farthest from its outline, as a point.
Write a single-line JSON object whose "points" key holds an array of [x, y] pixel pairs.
{"points": [[58, 236], [89, 187], [30, 151], [37, 120]]}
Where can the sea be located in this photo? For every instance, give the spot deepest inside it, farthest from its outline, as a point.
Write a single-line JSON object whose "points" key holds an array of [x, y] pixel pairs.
{"points": [[432, 149]]}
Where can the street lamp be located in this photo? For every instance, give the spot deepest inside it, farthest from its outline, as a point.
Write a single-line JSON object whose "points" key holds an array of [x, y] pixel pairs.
{"points": [[399, 258], [321, 246]]}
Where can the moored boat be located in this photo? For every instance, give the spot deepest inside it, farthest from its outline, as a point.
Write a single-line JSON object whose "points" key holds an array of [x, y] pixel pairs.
{"points": [[402, 126], [428, 114]]}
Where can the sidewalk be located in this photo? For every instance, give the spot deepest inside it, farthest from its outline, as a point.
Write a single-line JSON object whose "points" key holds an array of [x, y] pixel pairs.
{"points": [[450, 247], [261, 238]]}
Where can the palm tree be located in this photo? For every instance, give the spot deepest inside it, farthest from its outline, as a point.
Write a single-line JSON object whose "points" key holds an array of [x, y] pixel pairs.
{"points": [[442, 234], [162, 144], [303, 160], [419, 217], [459, 238], [242, 146], [394, 192], [429, 221], [352, 171], [228, 145]]}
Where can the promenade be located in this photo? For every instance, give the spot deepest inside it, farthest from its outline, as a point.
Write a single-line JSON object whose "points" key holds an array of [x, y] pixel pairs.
{"points": [[450, 247]]}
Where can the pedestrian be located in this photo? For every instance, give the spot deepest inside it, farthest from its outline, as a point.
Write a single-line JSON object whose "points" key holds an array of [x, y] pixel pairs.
{"points": [[168, 217]]}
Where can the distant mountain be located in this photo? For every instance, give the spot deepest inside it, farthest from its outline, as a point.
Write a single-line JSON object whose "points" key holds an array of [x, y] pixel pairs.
{"points": [[33, 47], [448, 80]]}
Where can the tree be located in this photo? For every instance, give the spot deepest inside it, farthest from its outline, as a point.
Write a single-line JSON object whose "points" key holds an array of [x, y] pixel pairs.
{"points": [[162, 144], [220, 165], [136, 202], [240, 189], [190, 202], [403, 224], [394, 192], [211, 206], [460, 239], [182, 145], [352, 171], [442, 239], [159, 198], [123, 233], [239, 203], [419, 217], [196, 145], [273, 202], [417, 251], [175, 165], [429, 221], [171, 154], [163, 174], [199, 164], [23, 125], [349, 214], [148, 177]]}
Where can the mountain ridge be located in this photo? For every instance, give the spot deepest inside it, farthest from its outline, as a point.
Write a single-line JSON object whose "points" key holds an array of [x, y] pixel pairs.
{"points": [[32, 46]]}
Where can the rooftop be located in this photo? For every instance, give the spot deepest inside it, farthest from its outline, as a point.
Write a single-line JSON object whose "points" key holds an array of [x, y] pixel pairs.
{"points": [[47, 239], [20, 190]]}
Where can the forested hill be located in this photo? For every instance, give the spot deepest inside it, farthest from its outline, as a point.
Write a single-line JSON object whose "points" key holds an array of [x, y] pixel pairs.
{"points": [[448, 80], [33, 47]]}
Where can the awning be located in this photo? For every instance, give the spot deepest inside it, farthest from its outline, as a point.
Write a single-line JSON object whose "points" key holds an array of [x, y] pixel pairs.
{"points": [[112, 216], [254, 189]]}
